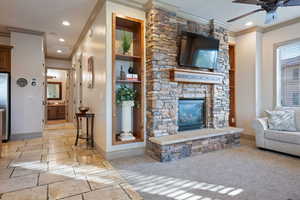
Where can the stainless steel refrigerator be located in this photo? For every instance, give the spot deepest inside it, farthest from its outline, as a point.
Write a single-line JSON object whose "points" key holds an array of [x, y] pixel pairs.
{"points": [[5, 104]]}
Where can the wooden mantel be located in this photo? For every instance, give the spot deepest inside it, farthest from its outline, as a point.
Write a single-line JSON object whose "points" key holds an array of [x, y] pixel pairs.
{"points": [[194, 76]]}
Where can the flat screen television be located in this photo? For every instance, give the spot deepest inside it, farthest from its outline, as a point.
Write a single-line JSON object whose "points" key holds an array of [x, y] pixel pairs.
{"points": [[198, 51]]}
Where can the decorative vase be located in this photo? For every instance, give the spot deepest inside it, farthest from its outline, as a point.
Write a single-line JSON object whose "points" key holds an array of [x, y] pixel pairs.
{"points": [[126, 134], [122, 74], [126, 53], [130, 70]]}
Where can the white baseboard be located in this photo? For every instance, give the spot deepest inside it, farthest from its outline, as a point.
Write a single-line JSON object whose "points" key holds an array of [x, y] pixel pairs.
{"points": [[122, 153], [25, 136]]}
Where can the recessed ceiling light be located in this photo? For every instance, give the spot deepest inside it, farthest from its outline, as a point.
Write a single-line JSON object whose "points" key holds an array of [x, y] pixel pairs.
{"points": [[66, 23], [61, 39], [249, 24], [59, 51]]}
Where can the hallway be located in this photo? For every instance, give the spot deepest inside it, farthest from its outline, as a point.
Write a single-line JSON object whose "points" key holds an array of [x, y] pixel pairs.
{"points": [[53, 168]]}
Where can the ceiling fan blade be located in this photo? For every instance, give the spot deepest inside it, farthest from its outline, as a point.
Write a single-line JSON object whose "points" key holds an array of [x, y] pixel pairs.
{"points": [[271, 17], [253, 2], [286, 3], [245, 15]]}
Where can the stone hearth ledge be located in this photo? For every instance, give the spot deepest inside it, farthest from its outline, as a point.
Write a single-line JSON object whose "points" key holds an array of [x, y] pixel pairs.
{"points": [[186, 136], [189, 143]]}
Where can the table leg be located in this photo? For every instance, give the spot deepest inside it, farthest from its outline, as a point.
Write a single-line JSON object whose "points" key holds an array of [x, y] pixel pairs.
{"points": [[92, 131], [87, 131], [77, 120]]}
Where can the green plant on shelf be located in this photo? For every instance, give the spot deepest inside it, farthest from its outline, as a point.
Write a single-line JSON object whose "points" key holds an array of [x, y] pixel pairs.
{"points": [[126, 42], [125, 93]]}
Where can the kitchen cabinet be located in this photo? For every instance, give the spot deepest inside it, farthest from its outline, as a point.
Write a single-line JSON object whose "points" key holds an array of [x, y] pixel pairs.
{"points": [[5, 58]]}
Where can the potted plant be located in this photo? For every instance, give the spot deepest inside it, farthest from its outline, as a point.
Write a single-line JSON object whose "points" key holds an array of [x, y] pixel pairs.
{"points": [[126, 42], [126, 97]]}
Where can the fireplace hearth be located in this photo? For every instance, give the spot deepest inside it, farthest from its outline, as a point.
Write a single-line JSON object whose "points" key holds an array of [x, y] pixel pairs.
{"points": [[191, 114]]}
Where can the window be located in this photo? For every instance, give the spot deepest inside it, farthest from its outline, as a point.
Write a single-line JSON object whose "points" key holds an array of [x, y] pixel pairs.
{"points": [[288, 74], [296, 98], [296, 74]]}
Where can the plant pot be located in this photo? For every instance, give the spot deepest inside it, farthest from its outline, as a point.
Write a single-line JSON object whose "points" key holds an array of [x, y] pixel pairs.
{"points": [[126, 53], [127, 121]]}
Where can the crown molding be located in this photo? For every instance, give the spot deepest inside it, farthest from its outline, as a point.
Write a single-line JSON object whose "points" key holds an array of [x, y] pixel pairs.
{"points": [[93, 15], [57, 58], [181, 13], [4, 34], [96, 10], [196, 18], [26, 31], [248, 30], [30, 32], [162, 5], [282, 25], [266, 29], [131, 3], [61, 68]]}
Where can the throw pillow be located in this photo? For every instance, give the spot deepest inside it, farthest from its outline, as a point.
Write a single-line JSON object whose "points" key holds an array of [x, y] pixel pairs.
{"points": [[281, 120]]}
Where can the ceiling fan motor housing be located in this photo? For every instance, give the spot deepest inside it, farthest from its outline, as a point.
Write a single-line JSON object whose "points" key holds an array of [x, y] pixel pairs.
{"points": [[270, 6]]}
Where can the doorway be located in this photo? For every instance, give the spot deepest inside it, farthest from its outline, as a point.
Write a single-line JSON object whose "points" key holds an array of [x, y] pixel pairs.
{"points": [[59, 95], [232, 117]]}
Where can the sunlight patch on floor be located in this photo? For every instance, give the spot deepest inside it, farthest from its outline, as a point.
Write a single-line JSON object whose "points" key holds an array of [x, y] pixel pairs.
{"points": [[175, 188]]}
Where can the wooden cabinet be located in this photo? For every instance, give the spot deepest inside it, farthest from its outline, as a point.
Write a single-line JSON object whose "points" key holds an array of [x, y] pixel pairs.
{"points": [[5, 58], [56, 112]]}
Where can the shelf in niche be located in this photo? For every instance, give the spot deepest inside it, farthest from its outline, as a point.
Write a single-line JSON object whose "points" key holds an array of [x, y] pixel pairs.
{"points": [[128, 142], [127, 57], [127, 81]]}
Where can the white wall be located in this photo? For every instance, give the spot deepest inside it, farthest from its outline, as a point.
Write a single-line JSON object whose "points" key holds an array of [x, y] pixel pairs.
{"points": [[130, 12], [100, 97], [4, 40], [255, 76], [27, 62], [56, 63], [248, 67], [95, 98], [268, 81]]}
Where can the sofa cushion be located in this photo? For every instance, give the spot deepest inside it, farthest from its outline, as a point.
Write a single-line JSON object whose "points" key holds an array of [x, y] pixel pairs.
{"points": [[283, 136], [281, 120]]}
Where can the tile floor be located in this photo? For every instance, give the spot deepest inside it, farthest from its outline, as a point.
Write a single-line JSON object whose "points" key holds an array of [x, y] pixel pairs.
{"points": [[52, 167]]}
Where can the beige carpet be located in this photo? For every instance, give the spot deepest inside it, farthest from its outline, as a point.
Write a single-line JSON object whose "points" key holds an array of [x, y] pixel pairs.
{"points": [[241, 173]]}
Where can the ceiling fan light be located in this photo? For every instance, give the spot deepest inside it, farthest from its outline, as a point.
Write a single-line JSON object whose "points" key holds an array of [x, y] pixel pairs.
{"points": [[271, 16]]}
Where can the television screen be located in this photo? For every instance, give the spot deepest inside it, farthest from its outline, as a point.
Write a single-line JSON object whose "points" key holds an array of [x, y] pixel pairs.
{"points": [[198, 51]]}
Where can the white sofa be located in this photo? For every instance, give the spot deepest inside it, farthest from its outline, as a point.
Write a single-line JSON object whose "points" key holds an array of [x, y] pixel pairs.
{"points": [[282, 141]]}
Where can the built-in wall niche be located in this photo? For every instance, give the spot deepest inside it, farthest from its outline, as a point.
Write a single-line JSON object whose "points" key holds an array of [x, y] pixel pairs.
{"points": [[128, 79]]}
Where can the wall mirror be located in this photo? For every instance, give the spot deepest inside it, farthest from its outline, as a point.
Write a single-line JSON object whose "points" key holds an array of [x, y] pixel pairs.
{"points": [[54, 91]]}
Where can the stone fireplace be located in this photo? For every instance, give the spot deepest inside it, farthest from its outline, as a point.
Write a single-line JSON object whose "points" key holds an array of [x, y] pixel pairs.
{"points": [[175, 102], [191, 114], [163, 96]]}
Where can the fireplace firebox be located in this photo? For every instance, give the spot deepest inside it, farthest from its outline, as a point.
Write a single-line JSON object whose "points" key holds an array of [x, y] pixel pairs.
{"points": [[191, 114]]}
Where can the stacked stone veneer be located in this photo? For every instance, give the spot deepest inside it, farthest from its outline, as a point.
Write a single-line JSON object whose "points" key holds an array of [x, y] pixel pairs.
{"points": [[162, 43], [170, 152]]}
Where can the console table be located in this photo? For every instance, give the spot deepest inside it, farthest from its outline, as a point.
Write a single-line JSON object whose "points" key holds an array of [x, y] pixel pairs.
{"points": [[89, 118]]}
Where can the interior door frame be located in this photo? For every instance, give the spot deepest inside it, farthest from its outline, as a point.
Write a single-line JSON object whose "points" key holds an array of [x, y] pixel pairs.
{"points": [[232, 91], [68, 82]]}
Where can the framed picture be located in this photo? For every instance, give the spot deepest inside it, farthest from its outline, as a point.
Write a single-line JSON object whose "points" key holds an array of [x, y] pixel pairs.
{"points": [[91, 73]]}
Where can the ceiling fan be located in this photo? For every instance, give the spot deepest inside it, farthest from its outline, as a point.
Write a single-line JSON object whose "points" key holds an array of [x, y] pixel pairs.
{"points": [[270, 6]]}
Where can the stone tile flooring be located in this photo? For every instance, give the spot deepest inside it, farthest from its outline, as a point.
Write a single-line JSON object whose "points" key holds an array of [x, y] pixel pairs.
{"points": [[51, 168]]}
